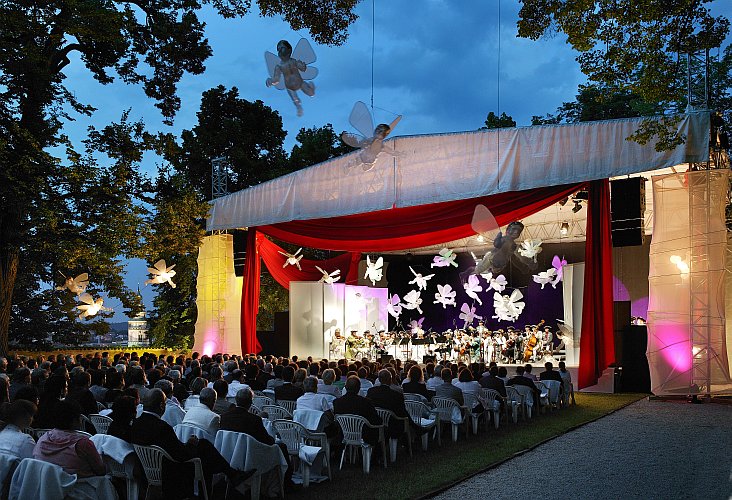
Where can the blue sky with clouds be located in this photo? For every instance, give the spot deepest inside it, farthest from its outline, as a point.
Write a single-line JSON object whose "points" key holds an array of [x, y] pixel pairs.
{"points": [[436, 62]]}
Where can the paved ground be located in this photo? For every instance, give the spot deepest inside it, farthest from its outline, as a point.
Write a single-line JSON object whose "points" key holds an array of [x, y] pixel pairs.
{"points": [[650, 449]]}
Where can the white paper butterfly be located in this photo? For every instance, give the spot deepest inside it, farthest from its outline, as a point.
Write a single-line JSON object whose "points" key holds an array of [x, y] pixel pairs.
{"points": [[530, 249], [468, 315], [508, 307], [394, 306], [289, 70], [374, 270], [472, 287], [161, 273], [413, 300], [546, 277], [292, 259], [76, 285], [329, 278], [559, 265], [419, 280], [90, 307], [445, 258], [369, 140], [445, 295]]}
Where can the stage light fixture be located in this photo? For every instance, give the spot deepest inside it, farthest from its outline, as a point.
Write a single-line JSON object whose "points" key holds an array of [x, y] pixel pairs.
{"points": [[563, 201], [480, 238], [577, 206], [564, 229]]}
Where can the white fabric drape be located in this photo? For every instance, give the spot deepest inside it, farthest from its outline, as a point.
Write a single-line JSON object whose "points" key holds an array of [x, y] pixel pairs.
{"points": [[437, 168]]}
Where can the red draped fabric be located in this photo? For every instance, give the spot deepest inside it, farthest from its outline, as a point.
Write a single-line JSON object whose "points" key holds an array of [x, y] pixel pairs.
{"points": [[250, 296], [269, 251], [597, 348]]}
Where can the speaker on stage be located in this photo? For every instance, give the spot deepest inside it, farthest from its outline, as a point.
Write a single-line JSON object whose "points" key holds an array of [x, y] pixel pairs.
{"points": [[627, 208]]}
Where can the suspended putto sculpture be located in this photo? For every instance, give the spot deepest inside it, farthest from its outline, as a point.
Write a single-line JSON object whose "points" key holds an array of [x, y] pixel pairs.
{"points": [[89, 306], [161, 273], [546, 277], [369, 140], [289, 70], [413, 300], [472, 288], [508, 307], [329, 278], [504, 247], [445, 258], [292, 259], [374, 270], [419, 280], [394, 306], [467, 314], [530, 249], [75, 285], [445, 295]]}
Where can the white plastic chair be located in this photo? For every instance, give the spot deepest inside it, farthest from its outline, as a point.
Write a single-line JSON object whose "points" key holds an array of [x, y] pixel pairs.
{"points": [[543, 396], [451, 412], [527, 396], [411, 396], [287, 405], [555, 389], [184, 431], [386, 417], [101, 406], [491, 400], [473, 418], [420, 413], [8, 464], [276, 412], [352, 428], [313, 432], [516, 400], [260, 401], [151, 458], [568, 392], [120, 458], [38, 479], [100, 423], [293, 435]]}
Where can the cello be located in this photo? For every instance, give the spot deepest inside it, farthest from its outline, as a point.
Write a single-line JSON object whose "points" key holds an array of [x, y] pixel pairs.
{"points": [[531, 344]]}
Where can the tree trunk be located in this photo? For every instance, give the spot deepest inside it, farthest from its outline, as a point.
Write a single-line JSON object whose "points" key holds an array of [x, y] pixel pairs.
{"points": [[9, 258]]}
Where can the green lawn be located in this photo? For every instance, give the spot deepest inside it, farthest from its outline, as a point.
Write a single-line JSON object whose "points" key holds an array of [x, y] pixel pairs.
{"points": [[439, 467]]}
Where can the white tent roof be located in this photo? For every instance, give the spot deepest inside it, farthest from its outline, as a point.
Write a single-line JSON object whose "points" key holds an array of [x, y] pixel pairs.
{"points": [[446, 167]]}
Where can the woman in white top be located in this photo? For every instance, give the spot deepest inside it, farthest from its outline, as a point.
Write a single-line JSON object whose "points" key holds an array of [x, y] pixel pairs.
{"points": [[17, 416], [466, 384]]}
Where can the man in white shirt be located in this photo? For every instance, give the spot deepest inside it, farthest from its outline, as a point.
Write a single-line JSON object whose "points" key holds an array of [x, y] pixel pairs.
{"points": [[201, 415], [236, 383], [174, 414], [311, 400]]}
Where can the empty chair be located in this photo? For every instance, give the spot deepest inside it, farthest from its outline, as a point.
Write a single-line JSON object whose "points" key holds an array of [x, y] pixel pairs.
{"points": [[527, 396], [473, 416], [516, 400], [276, 412], [543, 395], [151, 458], [287, 405], [100, 423], [352, 427], [293, 435], [555, 389], [451, 412], [387, 416], [491, 400], [423, 418], [568, 392]]}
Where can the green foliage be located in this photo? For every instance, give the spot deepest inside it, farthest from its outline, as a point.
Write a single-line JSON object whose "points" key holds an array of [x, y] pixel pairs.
{"points": [[316, 145], [503, 121]]}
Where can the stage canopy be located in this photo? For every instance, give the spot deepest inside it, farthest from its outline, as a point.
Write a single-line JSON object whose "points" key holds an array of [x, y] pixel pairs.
{"points": [[426, 192]]}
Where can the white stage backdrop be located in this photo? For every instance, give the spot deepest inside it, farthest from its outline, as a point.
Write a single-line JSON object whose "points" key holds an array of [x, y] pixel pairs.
{"points": [[686, 310], [447, 167], [317, 309]]}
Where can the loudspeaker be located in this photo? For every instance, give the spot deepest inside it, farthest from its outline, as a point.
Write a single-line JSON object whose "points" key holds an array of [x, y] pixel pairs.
{"points": [[627, 208], [277, 342], [240, 251], [636, 374], [621, 324]]}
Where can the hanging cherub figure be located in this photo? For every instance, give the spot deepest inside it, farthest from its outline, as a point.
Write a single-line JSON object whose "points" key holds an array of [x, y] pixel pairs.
{"points": [[290, 70], [505, 246], [370, 140]]}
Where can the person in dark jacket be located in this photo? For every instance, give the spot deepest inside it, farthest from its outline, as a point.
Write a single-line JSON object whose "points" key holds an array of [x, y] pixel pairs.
{"points": [[354, 404], [385, 397]]}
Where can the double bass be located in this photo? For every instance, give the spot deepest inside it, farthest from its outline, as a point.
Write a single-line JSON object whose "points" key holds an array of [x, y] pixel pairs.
{"points": [[531, 343]]}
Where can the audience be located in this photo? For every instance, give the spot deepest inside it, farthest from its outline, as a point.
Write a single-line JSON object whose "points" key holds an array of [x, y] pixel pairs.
{"points": [[124, 411], [16, 416], [447, 389], [201, 414], [288, 391], [351, 403]]}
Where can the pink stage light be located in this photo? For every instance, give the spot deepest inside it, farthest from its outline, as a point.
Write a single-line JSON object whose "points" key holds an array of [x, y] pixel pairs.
{"points": [[677, 351], [210, 342]]}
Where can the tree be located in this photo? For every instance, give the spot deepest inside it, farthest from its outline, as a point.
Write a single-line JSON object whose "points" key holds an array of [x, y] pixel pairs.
{"points": [[316, 145], [503, 121], [147, 44], [633, 46]]}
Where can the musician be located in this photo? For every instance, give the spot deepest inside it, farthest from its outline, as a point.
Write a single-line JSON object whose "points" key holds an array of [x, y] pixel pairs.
{"points": [[487, 347], [337, 344], [354, 344]]}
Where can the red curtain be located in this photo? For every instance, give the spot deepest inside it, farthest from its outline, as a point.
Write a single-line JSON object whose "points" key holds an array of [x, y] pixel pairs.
{"points": [[250, 296], [597, 348]]}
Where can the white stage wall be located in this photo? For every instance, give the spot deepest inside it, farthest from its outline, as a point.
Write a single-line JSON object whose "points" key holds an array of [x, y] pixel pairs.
{"points": [[317, 309], [573, 286]]}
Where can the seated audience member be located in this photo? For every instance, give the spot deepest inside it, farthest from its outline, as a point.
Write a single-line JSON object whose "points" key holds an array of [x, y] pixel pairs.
{"points": [[138, 380], [327, 387], [80, 393], [55, 392], [174, 414], [201, 415], [21, 378], [435, 380], [277, 380], [528, 374], [363, 374], [197, 385], [311, 400], [467, 385], [566, 379], [520, 379], [17, 416], [4, 395], [352, 403], [491, 381], [383, 396], [447, 389], [414, 383], [222, 404], [98, 379], [115, 385], [27, 393], [150, 429], [549, 373], [237, 383], [124, 411], [503, 374], [239, 419], [287, 391], [72, 451]]}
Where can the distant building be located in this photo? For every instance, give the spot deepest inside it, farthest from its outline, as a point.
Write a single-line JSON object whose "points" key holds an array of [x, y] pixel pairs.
{"points": [[137, 330]]}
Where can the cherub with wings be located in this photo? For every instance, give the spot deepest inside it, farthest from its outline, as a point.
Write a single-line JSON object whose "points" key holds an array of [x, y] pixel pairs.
{"points": [[419, 280], [467, 314], [327, 277], [292, 259], [374, 270], [445, 295], [394, 306], [290, 70], [369, 140], [445, 258], [75, 285], [161, 273], [413, 300], [89, 306], [472, 287]]}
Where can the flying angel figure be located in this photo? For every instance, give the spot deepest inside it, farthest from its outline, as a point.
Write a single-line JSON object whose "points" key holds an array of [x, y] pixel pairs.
{"points": [[75, 285], [369, 140], [419, 280], [290, 70], [508, 307], [329, 278], [558, 265], [292, 259], [498, 283], [445, 258], [530, 249], [415, 325], [161, 274], [90, 307], [445, 295], [374, 270], [413, 300], [394, 306], [468, 315], [546, 277], [472, 287]]}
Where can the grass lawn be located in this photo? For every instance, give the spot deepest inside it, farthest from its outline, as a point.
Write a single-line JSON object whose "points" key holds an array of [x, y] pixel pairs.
{"points": [[425, 473]]}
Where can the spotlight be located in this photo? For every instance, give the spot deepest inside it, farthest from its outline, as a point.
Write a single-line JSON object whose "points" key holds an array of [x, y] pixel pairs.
{"points": [[480, 238], [577, 206], [564, 229], [680, 264], [563, 201]]}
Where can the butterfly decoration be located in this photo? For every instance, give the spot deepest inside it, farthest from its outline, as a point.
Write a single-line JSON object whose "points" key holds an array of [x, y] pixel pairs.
{"points": [[290, 69], [374, 270], [546, 277], [369, 140], [508, 307], [472, 287], [394, 306], [329, 278], [416, 325], [445, 258], [530, 249], [445, 295], [419, 280], [292, 259], [75, 285], [161, 273], [559, 265], [467, 314], [90, 307], [413, 300]]}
